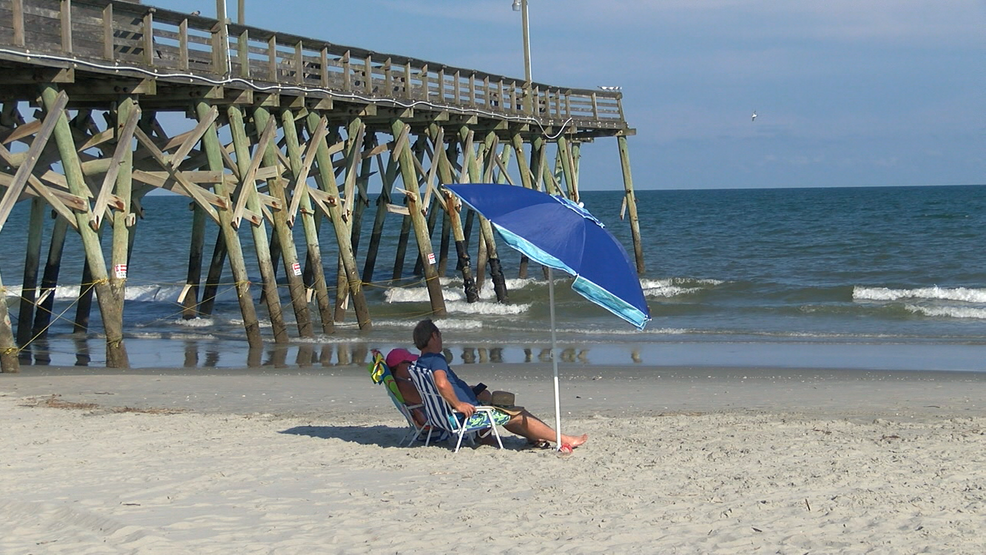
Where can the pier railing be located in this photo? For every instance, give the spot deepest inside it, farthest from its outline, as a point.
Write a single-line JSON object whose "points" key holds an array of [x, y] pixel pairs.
{"points": [[109, 34]]}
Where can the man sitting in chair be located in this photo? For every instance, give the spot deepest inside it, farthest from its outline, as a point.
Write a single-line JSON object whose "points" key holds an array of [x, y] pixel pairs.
{"points": [[428, 339]]}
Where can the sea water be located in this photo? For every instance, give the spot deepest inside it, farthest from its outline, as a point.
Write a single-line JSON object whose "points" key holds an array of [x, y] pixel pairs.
{"points": [[881, 278]]}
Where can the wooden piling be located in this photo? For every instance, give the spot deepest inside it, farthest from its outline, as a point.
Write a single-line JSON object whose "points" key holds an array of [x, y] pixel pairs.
{"points": [[127, 115], [190, 294], [388, 176], [332, 208], [496, 271], [409, 178], [231, 241], [299, 174], [248, 189], [638, 249], [49, 279], [452, 209], [8, 348], [110, 308], [568, 169], [289, 255], [406, 223], [32, 260], [353, 150], [214, 276]]}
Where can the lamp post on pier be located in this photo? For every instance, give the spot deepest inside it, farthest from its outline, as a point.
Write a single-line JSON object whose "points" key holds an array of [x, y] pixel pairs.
{"points": [[521, 6]]}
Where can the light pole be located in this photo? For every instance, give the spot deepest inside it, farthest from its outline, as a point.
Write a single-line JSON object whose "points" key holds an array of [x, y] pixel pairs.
{"points": [[521, 6]]}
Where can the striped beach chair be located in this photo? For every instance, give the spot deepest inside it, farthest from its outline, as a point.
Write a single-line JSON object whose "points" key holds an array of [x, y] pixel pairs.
{"points": [[442, 416]]}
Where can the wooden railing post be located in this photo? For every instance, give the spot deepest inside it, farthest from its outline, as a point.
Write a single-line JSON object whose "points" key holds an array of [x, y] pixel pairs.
{"points": [[65, 14], [108, 32], [18, 22], [220, 40]]}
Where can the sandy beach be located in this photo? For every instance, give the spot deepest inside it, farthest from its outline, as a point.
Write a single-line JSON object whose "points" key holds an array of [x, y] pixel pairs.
{"points": [[679, 460]]}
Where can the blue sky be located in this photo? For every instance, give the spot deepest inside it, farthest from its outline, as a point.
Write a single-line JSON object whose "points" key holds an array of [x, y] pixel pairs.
{"points": [[847, 92]]}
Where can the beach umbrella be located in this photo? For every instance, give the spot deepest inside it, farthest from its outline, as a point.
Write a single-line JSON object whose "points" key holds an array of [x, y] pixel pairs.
{"points": [[562, 235]]}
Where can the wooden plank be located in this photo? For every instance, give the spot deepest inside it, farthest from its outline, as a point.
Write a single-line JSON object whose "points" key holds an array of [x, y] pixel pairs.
{"points": [[37, 189], [300, 186], [250, 178], [22, 131], [351, 171], [123, 146], [193, 137], [196, 192], [37, 146]]}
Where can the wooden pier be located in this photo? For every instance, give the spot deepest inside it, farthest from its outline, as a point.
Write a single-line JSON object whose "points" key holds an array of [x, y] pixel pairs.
{"points": [[281, 131]]}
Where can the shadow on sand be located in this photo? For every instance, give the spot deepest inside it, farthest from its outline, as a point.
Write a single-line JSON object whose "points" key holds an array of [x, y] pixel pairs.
{"points": [[386, 436]]}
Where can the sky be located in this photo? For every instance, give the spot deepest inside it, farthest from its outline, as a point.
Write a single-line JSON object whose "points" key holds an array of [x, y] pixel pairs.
{"points": [[847, 92]]}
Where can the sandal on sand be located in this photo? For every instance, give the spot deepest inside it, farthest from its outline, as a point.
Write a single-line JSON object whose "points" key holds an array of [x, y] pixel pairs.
{"points": [[539, 444]]}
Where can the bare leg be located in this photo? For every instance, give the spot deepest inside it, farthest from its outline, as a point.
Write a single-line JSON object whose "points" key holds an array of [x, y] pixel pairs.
{"points": [[527, 425]]}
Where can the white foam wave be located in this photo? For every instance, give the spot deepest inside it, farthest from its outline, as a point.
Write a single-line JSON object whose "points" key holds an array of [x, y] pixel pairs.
{"points": [[451, 291], [172, 336], [136, 293], [418, 295], [949, 312], [666, 288], [497, 309], [487, 291], [195, 322], [963, 294], [458, 324]]}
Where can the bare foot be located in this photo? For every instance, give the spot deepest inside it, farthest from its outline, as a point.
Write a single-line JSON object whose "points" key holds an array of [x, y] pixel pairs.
{"points": [[575, 441]]}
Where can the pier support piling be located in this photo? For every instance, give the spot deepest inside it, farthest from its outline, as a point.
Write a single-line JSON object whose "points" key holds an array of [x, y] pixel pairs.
{"points": [[414, 206], [110, 305], [230, 240], [631, 202], [247, 194]]}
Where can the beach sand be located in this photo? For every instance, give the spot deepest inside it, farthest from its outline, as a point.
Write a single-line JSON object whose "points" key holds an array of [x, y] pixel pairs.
{"points": [[678, 460]]}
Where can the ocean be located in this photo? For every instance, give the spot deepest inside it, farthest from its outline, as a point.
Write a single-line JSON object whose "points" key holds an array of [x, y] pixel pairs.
{"points": [[888, 278]]}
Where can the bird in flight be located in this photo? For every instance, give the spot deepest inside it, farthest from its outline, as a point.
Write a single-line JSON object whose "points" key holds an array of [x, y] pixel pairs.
{"points": [[754, 117]]}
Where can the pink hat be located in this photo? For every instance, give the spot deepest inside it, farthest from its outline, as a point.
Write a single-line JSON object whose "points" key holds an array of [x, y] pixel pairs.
{"points": [[398, 356]]}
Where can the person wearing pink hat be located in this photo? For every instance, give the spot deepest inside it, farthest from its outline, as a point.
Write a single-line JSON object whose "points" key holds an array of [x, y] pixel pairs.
{"points": [[399, 360]]}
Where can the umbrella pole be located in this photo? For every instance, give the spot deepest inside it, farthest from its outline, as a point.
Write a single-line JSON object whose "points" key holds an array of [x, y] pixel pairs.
{"points": [[554, 357]]}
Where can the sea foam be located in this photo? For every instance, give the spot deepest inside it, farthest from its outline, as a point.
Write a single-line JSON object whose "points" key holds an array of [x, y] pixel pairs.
{"points": [[963, 294], [949, 311], [673, 287]]}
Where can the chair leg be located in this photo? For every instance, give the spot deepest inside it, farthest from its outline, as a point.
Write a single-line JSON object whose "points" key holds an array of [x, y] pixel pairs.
{"points": [[462, 432]]}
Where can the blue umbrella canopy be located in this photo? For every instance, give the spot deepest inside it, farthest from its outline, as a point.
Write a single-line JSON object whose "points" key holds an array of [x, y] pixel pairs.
{"points": [[559, 233]]}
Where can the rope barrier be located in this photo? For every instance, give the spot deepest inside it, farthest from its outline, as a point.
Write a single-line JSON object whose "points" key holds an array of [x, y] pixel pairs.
{"points": [[85, 288]]}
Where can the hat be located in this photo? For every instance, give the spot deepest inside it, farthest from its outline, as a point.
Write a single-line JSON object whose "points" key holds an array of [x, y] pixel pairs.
{"points": [[398, 356], [504, 400]]}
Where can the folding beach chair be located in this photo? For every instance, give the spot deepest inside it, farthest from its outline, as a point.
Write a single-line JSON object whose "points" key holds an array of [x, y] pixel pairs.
{"points": [[442, 416], [380, 374]]}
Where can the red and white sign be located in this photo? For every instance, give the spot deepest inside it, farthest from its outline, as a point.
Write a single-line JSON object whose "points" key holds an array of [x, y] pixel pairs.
{"points": [[431, 258], [121, 271], [297, 268]]}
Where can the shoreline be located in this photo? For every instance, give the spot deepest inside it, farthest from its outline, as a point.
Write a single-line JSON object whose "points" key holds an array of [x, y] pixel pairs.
{"points": [[585, 391], [664, 351]]}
